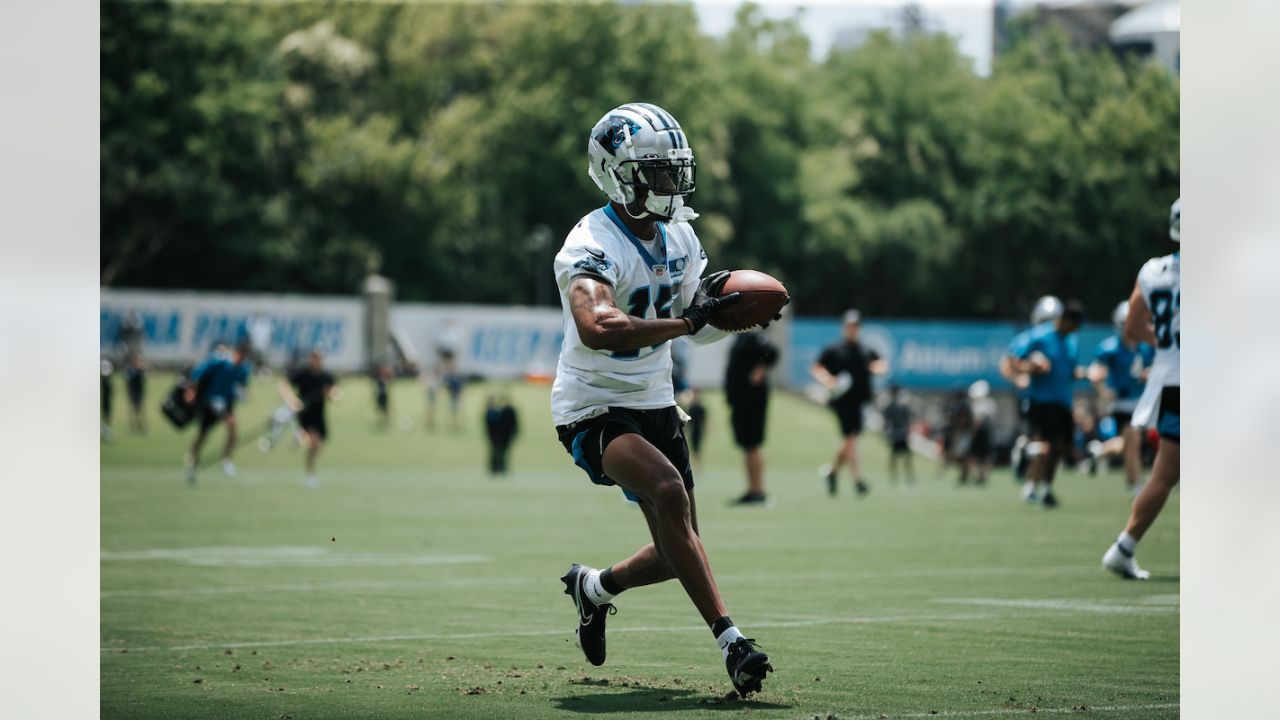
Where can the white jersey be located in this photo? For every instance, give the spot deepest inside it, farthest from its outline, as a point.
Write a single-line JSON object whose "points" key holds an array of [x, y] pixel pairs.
{"points": [[1160, 283], [650, 280]]}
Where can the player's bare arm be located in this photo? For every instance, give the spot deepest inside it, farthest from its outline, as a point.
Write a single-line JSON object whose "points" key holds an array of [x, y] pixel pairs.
{"points": [[1137, 324], [603, 326]]}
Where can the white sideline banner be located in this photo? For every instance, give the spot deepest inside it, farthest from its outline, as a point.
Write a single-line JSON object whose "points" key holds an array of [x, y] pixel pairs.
{"points": [[181, 327]]}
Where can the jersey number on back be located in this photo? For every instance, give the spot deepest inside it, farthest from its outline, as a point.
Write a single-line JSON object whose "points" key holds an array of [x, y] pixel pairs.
{"points": [[639, 307], [1164, 303]]}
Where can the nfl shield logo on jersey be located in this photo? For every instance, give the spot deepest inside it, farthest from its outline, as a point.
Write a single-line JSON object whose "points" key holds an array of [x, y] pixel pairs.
{"points": [[659, 270]]}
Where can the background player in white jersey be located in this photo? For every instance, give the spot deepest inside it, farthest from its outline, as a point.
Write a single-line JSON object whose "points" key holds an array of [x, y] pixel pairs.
{"points": [[1154, 319], [630, 282]]}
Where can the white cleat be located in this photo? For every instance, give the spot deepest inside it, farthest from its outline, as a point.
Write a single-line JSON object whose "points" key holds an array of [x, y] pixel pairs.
{"points": [[228, 468], [1123, 565], [311, 481], [1029, 493], [189, 470]]}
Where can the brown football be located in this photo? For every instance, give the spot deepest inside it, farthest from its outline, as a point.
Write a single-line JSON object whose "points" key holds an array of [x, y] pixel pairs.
{"points": [[762, 297]]}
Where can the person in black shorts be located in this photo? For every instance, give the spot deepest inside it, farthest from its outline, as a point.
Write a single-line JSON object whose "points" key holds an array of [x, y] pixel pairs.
{"points": [[312, 386], [135, 382], [501, 425], [105, 371], [897, 428], [746, 389], [845, 369]]}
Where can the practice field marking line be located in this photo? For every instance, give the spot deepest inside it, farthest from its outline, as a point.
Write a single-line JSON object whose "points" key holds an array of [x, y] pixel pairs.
{"points": [[1014, 711], [392, 584], [285, 555], [1067, 605], [311, 587], [541, 633]]}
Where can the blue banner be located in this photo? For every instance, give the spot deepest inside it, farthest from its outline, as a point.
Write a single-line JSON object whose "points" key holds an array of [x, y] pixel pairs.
{"points": [[927, 355]]}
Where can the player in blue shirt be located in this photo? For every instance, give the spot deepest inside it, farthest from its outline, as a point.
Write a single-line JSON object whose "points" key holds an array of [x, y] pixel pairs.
{"points": [[1118, 373], [1050, 356], [217, 383], [1047, 309]]}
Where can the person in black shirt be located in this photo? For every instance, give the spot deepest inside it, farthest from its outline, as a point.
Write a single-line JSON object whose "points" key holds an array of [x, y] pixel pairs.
{"points": [[845, 369], [501, 424], [746, 389], [106, 369], [312, 386], [897, 430], [382, 377], [135, 382]]}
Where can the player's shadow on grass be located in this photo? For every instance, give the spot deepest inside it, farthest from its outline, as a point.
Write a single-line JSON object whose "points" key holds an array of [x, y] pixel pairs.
{"points": [[648, 699]]}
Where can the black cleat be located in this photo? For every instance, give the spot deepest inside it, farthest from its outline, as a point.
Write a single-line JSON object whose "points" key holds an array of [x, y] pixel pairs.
{"points": [[861, 487], [747, 666], [1049, 501], [750, 499], [590, 630], [827, 473]]}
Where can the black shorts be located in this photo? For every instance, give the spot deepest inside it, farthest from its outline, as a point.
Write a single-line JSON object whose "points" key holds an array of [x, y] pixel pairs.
{"points": [[1122, 418], [899, 446], [313, 422], [980, 444], [1051, 422], [1169, 422], [747, 418], [850, 417], [587, 439], [210, 414]]}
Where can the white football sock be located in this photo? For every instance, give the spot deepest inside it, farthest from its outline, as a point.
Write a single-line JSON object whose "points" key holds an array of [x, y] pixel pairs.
{"points": [[595, 591], [727, 638], [1127, 544]]}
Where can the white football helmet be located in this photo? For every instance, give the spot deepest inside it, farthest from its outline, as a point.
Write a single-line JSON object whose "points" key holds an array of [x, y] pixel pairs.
{"points": [[1118, 316], [638, 150], [1175, 221], [1047, 308]]}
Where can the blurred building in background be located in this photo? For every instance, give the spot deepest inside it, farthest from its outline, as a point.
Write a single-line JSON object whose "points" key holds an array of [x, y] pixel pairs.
{"points": [[1143, 28]]}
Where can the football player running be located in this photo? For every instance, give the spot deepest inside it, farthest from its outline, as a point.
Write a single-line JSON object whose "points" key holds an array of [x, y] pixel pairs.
{"points": [[1118, 372], [630, 280], [1049, 353], [1154, 319], [1047, 309]]}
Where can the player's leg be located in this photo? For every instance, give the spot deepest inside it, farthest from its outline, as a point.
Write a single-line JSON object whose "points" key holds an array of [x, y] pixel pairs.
{"points": [[1119, 558], [204, 422], [228, 465], [1132, 456], [755, 472], [1164, 477], [639, 467]]}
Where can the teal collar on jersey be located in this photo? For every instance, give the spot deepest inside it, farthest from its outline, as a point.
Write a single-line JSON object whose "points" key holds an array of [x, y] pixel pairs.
{"points": [[644, 253]]}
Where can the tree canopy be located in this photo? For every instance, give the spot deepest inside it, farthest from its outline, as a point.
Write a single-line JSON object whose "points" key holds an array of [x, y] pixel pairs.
{"points": [[296, 147]]}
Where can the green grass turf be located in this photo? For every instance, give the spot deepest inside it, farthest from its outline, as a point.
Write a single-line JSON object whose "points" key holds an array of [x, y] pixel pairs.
{"points": [[411, 585]]}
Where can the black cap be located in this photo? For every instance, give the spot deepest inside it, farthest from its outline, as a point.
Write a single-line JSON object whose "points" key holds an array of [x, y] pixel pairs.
{"points": [[1073, 310]]}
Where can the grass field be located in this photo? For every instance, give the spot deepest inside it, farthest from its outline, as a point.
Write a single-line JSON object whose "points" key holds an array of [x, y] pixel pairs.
{"points": [[411, 585]]}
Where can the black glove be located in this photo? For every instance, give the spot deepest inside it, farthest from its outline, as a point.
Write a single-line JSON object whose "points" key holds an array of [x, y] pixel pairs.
{"points": [[705, 300]]}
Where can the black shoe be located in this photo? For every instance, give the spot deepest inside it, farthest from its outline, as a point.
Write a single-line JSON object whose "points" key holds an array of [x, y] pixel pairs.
{"points": [[747, 666], [590, 630], [861, 487], [750, 499], [830, 476], [1049, 501]]}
